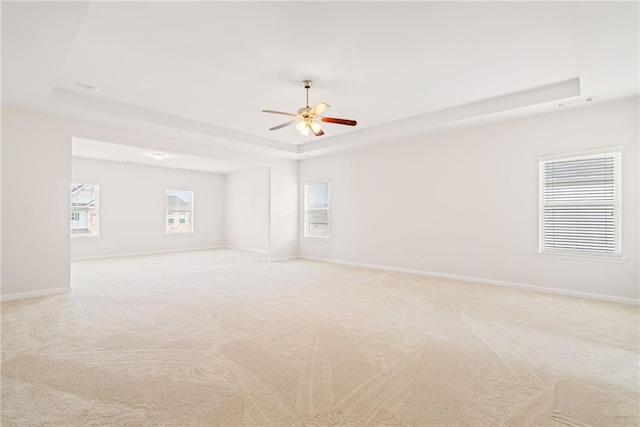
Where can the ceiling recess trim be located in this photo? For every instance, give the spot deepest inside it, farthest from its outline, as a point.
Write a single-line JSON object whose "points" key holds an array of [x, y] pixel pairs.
{"points": [[114, 108], [550, 93], [418, 124]]}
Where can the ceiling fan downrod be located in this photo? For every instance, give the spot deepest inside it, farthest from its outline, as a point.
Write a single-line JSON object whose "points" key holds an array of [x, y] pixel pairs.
{"points": [[307, 85]]}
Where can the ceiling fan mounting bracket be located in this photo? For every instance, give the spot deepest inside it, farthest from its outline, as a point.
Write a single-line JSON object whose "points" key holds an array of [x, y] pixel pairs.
{"points": [[307, 83]]}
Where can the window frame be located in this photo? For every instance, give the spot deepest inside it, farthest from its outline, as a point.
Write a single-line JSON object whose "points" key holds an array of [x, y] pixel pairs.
{"points": [[306, 209], [176, 214], [96, 233], [616, 153]]}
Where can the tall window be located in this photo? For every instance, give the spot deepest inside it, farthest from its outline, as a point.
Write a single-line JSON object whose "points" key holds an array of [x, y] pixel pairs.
{"points": [[84, 209], [316, 209], [580, 205], [179, 211]]}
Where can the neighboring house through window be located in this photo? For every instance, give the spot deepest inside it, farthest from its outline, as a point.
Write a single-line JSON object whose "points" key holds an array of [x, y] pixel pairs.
{"points": [[84, 209], [580, 204], [179, 204], [316, 209]]}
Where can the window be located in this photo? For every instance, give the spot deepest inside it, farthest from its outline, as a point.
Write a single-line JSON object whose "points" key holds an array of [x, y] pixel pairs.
{"points": [[179, 204], [316, 209], [84, 209], [580, 205]]}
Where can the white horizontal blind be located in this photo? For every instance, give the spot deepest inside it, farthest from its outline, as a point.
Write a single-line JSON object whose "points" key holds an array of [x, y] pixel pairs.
{"points": [[580, 203], [317, 203], [318, 195]]}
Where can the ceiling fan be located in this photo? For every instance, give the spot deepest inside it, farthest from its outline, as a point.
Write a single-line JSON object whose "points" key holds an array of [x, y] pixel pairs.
{"points": [[308, 118]]}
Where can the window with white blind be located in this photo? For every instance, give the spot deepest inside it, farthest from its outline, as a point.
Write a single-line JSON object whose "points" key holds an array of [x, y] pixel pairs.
{"points": [[316, 209], [84, 209], [580, 205], [179, 211]]}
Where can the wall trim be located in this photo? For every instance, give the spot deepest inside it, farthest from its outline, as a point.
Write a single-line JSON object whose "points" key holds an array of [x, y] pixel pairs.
{"points": [[33, 294], [130, 254], [258, 251], [491, 282], [284, 258]]}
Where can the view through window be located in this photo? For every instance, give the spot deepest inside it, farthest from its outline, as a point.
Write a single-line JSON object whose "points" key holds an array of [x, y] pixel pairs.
{"points": [[84, 209], [179, 211]]}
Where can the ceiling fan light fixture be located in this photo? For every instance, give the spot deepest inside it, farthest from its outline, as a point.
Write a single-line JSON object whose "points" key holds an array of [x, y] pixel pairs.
{"points": [[316, 128], [303, 127], [307, 118]]}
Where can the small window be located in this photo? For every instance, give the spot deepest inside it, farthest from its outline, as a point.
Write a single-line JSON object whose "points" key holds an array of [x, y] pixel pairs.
{"points": [[179, 204], [316, 210], [580, 205], [84, 209]]}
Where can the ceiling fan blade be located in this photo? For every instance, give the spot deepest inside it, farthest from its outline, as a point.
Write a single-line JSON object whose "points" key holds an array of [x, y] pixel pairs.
{"points": [[319, 108], [316, 129], [283, 125], [339, 121], [280, 112]]}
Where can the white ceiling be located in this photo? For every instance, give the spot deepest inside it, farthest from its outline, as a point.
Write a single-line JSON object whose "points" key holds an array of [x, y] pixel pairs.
{"points": [[209, 68]]}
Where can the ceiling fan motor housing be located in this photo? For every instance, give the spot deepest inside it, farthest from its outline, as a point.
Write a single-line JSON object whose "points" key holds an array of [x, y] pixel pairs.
{"points": [[304, 112]]}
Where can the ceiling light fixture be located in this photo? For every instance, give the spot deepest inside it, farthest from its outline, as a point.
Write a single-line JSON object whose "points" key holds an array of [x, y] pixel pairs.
{"points": [[88, 88], [158, 156]]}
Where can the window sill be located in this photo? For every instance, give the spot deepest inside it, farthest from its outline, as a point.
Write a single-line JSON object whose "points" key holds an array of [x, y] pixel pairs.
{"points": [[318, 237], [586, 257]]}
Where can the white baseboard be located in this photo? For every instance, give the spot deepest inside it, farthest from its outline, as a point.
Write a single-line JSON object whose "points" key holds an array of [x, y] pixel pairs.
{"points": [[284, 258], [32, 294], [130, 254], [257, 251], [491, 282]]}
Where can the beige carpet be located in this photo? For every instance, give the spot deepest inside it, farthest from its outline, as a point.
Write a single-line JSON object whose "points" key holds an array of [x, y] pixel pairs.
{"points": [[225, 338]]}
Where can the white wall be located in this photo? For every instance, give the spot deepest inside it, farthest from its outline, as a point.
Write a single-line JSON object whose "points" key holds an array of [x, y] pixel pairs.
{"points": [[36, 153], [283, 238], [36, 171], [465, 202], [247, 209], [1, 208], [131, 215]]}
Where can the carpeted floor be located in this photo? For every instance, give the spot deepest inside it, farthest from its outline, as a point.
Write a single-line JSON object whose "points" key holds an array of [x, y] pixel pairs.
{"points": [[225, 338]]}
